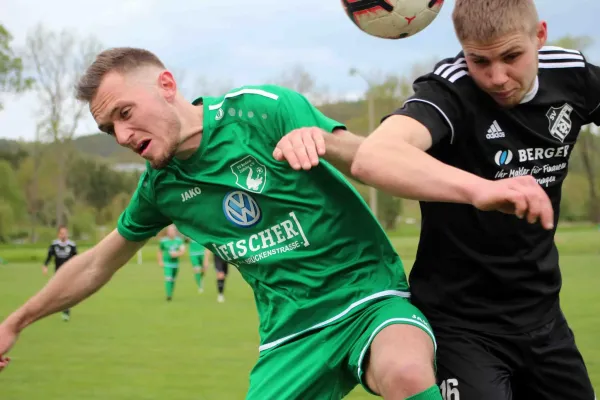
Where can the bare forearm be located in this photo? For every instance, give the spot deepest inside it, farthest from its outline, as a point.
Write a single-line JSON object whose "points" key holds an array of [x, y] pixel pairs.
{"points": [[75, 280], [341, 148], [404, 170]]}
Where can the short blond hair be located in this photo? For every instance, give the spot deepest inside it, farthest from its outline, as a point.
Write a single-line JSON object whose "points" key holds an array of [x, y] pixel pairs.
{"points": [[486, 20], [120, 59]]}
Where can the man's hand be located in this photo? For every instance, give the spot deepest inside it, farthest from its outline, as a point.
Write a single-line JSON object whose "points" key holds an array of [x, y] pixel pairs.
{"points": [[301, 148], [45, 269], [521, 196], [8, 337]]}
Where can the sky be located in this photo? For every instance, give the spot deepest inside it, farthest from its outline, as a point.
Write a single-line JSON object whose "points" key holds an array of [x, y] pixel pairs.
{"points": [[230, 43]]}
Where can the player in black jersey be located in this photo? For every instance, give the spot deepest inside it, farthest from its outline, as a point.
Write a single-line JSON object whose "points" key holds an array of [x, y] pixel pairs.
{"points": [[62, 249], [490, 129]]}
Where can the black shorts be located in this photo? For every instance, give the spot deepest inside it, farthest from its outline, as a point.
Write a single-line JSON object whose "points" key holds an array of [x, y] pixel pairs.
{"points": [[221, 265], [544, 364]]}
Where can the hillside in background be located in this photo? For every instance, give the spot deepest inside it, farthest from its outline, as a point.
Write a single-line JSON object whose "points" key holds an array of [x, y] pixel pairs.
{"points": [[9, 146], [104, 146], [351, 113], [98, 145]]}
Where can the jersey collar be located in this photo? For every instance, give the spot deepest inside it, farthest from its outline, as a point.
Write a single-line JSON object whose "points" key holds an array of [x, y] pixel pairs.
{"points": [[531, 94]]}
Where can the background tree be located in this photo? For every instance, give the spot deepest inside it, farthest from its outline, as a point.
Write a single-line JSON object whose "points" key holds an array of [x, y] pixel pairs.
{"points": [[12, 79], [11, 200], [58, 59]]}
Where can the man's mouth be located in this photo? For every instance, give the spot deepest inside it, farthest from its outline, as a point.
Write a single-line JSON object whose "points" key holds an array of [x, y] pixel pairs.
{"points": [[143, 146], [504, 94]]}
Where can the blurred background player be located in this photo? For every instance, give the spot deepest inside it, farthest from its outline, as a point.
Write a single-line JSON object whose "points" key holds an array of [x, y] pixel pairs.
{"points": [[62, 249], [171, 247], [222, 269], [199, 262]]}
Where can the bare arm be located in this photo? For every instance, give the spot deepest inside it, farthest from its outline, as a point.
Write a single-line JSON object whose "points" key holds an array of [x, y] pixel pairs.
{"points": [[180, 252], [393, 159], [76, 280], [302, 147], [341, 147]]}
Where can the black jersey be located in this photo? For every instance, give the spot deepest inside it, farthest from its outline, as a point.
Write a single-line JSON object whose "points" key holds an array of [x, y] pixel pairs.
{"points": [[488, 270], [61, 251]]}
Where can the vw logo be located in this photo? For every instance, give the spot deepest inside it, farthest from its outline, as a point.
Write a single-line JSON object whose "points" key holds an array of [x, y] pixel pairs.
{"points": [[241, 209], [503, 157]]}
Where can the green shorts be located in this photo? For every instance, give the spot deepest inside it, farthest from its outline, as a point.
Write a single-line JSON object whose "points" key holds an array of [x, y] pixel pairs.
{"points": [[197, 261], [329, 363], [170, 273]]}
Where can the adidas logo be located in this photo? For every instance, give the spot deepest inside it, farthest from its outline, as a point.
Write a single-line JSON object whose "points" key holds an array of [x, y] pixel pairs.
{"points": [[495, 132]]}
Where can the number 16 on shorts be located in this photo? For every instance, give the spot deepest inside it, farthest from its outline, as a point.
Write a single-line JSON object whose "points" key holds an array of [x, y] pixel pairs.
{"points": [[449, 389]]}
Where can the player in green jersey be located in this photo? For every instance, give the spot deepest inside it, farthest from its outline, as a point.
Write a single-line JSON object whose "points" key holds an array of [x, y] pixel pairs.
{"points": [[199, 260], [170, 249], [331, 292]]}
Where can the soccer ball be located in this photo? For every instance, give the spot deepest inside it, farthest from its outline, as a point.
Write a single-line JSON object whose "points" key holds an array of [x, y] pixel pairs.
{"points": [[392, 19]]}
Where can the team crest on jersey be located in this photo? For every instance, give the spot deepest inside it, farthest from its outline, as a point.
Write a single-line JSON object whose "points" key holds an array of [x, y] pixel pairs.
{"points": [[560, 121], [241, 209], [250, 174]]}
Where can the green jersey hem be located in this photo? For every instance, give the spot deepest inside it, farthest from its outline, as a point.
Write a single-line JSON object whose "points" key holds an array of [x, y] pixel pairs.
{"points": [[335, 318]]}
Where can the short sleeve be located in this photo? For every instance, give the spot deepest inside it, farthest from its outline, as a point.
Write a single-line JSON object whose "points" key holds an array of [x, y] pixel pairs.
{"points": [[295, 111], [593, 92], [435, 106], [141, 219]]}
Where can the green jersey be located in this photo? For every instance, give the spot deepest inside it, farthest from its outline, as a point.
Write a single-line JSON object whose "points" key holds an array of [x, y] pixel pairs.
{"points": [[196, 249], [305, 241], [168, 245]]}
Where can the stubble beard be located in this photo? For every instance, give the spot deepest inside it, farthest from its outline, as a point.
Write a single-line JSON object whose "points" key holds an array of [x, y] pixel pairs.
{"points": [[172, 143]]}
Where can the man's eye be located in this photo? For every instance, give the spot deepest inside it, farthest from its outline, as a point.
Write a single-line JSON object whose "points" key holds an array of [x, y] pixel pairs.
{"points": [[125, 113]]}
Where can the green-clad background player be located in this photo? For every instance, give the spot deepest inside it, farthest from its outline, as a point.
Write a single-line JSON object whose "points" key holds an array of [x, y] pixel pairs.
{"points": [[170, 249], [330, 290], [199, 260]]}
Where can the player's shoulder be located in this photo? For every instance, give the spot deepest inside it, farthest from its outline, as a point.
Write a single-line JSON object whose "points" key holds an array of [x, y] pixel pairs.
{"points": [[560, 59], [448, 75], [560, 63], [452, 70], [261, 95], [148, 179], [71, 243], [55, 242], [562, 71]]}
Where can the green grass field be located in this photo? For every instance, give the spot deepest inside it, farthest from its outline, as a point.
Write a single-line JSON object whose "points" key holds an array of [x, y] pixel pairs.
{"points": [[128, 343]]}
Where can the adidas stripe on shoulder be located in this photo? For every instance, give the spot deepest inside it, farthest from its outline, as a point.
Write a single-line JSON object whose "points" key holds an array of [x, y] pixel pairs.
{"points": [[452, 71], [557, 57]]}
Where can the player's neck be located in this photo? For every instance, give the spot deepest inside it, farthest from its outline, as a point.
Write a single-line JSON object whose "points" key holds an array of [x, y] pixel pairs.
{"points": [[191, 130]]}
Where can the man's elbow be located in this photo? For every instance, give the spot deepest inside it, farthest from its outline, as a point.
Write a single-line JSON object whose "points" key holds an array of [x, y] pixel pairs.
{"points": [[362, 164]]}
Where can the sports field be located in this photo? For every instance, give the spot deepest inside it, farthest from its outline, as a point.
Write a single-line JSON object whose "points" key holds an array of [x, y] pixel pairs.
{"points": [[128, 343]]}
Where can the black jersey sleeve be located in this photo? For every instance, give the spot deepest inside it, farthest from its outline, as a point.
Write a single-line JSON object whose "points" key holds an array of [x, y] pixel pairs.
{"points": [[50, 255], [436, 100], [74, 251], [593, 92]]}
